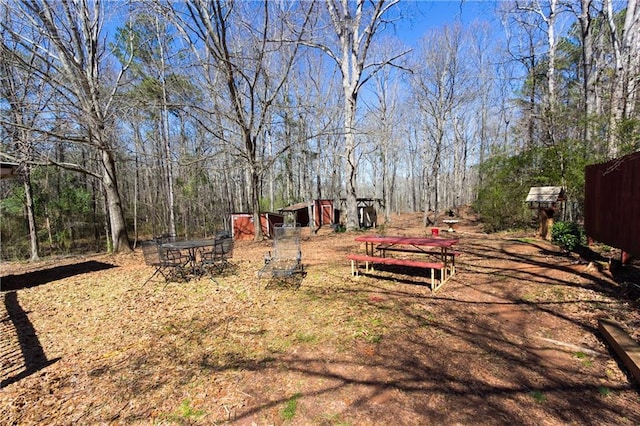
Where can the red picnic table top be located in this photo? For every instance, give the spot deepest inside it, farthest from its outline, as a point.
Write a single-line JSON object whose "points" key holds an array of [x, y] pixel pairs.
{"points": [[413, 241]]}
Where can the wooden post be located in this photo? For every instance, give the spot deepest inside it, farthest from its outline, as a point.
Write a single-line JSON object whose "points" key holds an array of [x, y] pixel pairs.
{"points": [[545, 218]]}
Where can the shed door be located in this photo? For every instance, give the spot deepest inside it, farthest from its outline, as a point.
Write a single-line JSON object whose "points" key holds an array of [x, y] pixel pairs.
{"points": [[327, 214]]}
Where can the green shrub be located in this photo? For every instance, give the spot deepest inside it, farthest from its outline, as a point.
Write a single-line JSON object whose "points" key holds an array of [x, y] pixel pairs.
{"points": [[340, 228], [502, 185], [567, 235]]}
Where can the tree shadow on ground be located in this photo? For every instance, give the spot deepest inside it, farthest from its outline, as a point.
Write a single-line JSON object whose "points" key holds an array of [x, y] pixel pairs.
{"points": [[420, 277], [43, 276], [625, 278], [620, 273], [444, 359], [28, 347]]}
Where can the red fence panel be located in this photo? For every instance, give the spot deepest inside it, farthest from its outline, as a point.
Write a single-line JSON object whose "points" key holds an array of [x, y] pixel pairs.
{"points": [[612, 203]]}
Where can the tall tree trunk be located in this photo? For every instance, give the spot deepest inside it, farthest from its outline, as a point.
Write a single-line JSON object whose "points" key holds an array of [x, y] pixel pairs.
{"points": [[551, 72], [255, 205], [74, 47], [354, 42], [119, 235], [33, 231], [351, 164], [625, 53], [588, 76], [165, 131], [254, 187]]}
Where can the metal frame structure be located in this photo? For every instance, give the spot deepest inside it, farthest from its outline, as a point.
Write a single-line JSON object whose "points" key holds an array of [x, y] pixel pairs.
{"points": [[216, 259], [168, 263], [285, 259]]}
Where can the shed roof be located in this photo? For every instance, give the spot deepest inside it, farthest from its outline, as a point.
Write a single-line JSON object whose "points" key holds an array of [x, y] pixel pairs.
{"points": [[295, 207], [545, 194]]}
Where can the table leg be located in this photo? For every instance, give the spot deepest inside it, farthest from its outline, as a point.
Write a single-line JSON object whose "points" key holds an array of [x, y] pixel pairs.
{"points": [[192, 259], [444, 257]]}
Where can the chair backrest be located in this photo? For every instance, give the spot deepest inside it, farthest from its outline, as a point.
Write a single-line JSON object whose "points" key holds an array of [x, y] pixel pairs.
{"points": [[224, 247], [286, 243], [155, 254], [165, 238], [151, 252]]}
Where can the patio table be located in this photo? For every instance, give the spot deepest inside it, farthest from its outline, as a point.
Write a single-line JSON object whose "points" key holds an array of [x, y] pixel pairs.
{"points": [[191, 247]]}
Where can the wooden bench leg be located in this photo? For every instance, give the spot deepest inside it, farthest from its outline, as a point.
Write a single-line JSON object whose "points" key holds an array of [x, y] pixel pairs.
{"points": [[440, 282], [355, 270]]}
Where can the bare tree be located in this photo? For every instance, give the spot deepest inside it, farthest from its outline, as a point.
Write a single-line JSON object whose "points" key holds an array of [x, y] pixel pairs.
{"points": [[523, 47], [548, 15], [589, 75], [383, 131], [74, 51], [150, 41], [27, 100], [354, 25], [441, 86], [242, 40], [489, 127], [626, 79]]}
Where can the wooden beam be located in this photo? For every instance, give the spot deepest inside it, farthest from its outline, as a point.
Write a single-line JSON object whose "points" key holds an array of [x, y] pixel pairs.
{"points": [[625, 347]]}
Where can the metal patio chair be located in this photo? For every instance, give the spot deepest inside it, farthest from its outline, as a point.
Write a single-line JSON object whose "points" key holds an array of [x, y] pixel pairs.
{"points": [[285, 259], [170, 264], [165, 238], [215, 260]]}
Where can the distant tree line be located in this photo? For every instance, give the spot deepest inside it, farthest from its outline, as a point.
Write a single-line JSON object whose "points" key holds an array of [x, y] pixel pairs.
{"points": [[577, 102], [135, 119]]}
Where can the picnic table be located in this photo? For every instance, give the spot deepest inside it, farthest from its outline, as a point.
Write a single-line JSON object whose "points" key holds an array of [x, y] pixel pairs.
{"points": [[377, 248]]}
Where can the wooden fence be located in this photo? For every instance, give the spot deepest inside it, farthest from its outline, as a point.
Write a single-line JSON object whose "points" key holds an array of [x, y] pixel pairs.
{"points": [[612, 203]]}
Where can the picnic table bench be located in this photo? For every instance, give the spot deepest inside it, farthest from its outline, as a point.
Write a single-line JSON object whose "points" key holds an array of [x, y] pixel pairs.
{"points": [[433, 266], [377, 247], [450, 255]]}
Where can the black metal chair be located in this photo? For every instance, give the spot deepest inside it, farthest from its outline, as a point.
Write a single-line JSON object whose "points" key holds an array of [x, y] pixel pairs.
{"points": [[165, 238], [168, 263], [216, 260]]}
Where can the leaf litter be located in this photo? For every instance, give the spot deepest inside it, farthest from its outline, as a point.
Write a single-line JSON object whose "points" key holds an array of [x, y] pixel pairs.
{"points": [[378, 349]]}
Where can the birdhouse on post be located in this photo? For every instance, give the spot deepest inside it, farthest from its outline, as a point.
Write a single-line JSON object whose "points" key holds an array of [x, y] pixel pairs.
{"points": [[547, 200]]}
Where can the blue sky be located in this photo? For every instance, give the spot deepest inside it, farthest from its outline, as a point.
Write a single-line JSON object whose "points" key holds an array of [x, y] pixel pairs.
{"points": [[419, 16], [426, 15]]}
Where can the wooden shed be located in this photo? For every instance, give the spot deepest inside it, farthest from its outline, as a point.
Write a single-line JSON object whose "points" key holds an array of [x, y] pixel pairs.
{"points": [[547, 200], [244, 229], [367, 213], [322, 212]]}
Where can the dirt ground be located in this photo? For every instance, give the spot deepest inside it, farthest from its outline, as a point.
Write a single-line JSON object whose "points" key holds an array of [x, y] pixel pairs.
{"points": [[510, 339]]}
